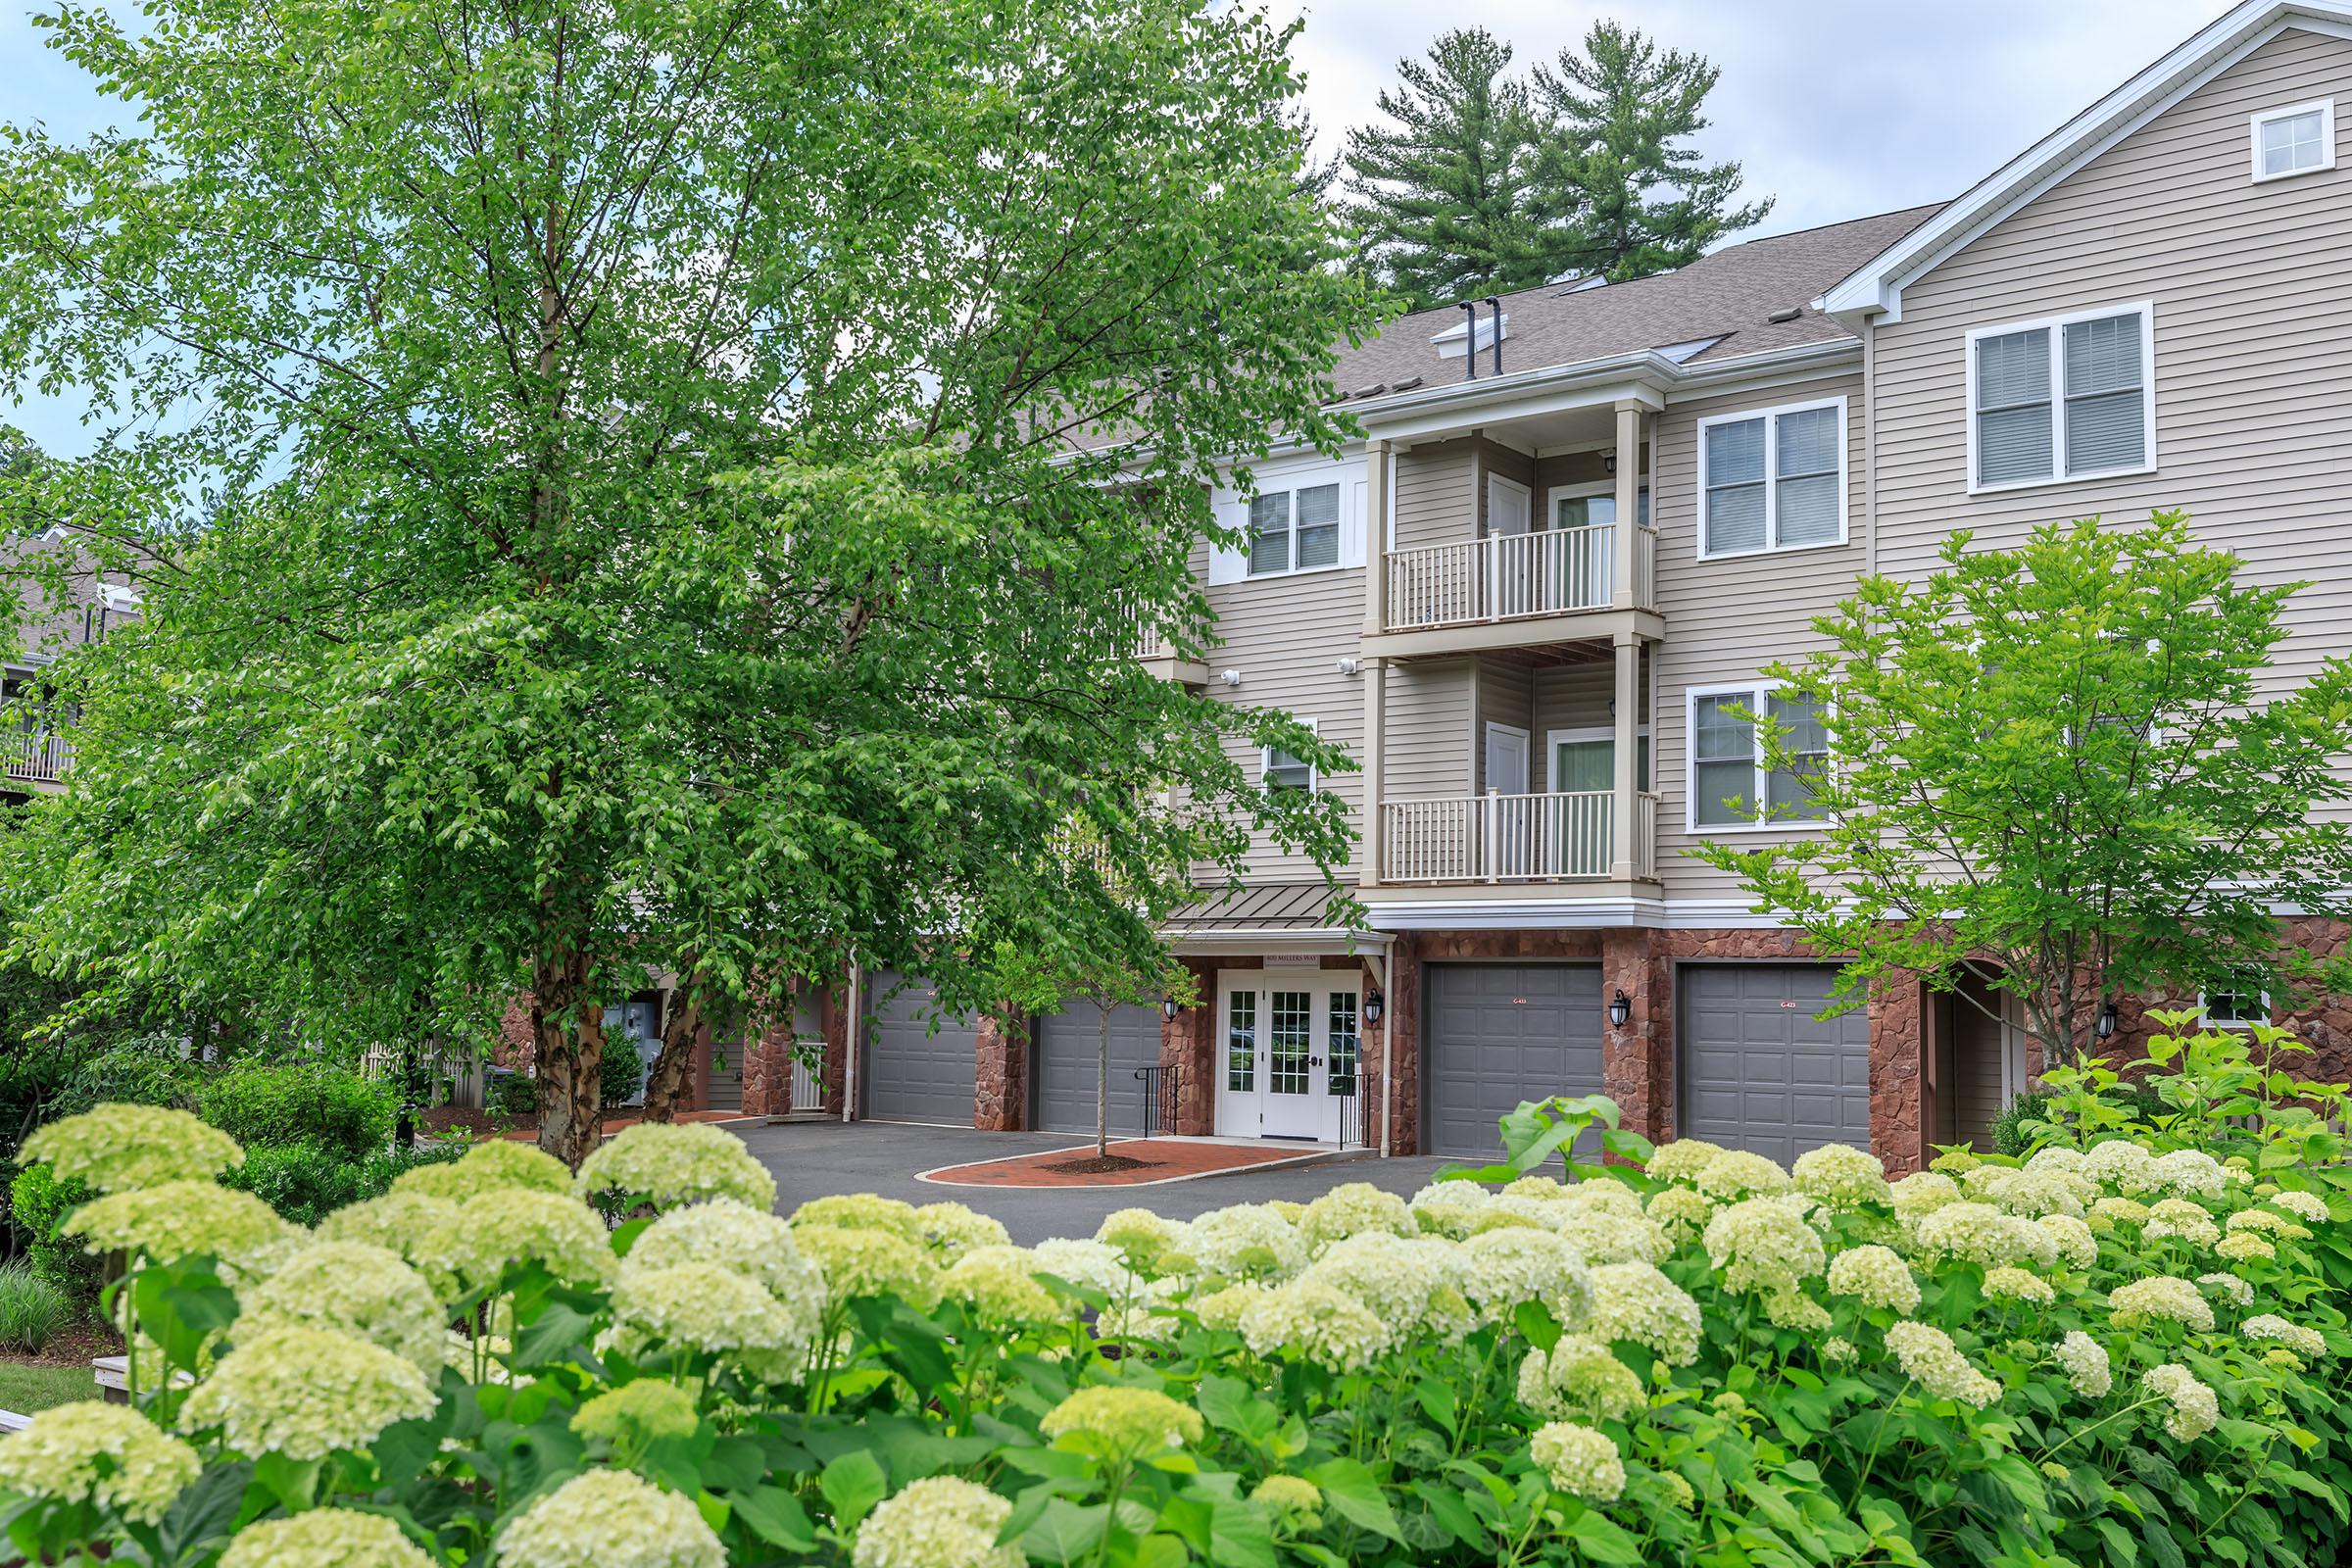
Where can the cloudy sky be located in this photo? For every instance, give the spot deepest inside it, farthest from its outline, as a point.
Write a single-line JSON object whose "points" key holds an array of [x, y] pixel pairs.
{"points": [[1837, 108]]}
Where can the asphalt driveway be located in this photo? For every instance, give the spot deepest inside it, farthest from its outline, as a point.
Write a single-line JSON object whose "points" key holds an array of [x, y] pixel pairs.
{"points": [[815, 1159]]}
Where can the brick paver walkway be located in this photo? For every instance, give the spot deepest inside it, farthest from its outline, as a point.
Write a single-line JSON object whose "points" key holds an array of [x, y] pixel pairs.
{"points": [[1163, 1160]]}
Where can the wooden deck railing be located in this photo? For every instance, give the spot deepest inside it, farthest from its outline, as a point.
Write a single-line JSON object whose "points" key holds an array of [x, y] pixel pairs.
{"points": [[39, 756], [1557, 836], [1514, 575]]}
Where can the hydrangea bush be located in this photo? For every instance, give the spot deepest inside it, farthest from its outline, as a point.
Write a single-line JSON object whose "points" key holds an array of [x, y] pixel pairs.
{"points": [[1689, 1355]]}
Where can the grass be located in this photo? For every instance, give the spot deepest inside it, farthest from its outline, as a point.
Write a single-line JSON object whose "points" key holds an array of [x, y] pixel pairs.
{"points": [[33, 1312], [27, 1387]]}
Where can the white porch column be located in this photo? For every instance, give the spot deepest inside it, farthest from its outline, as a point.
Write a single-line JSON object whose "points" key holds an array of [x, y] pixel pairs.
{"points": [[1376, 536], [1623, 815], [1629, 497], [1376, 703]]}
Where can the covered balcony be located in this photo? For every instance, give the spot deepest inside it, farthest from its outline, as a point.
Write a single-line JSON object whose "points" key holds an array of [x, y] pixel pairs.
{"points": [[1522, 533], [1560, 836]]}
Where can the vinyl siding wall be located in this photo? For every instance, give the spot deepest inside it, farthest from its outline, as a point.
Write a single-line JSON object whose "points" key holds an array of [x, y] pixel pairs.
{"points": [[1726, 618], [2252, 315]]}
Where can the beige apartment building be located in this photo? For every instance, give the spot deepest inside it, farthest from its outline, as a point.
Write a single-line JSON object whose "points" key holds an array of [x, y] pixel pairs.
{"points": [[1580, 521]]}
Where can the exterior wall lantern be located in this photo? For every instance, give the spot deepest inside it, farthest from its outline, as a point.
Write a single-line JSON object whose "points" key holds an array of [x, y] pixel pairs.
{"points": [[2106, 1024], [1372, 1006], [1621, 1008], [1169, 1008]]}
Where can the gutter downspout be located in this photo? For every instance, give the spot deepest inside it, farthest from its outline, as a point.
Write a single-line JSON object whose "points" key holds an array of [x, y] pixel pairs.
{"points": [[853, 1038]]}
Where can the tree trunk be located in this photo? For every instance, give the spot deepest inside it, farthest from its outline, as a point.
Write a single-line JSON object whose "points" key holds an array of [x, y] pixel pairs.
{"points": [[568, 1064], [1103, 1085], [673, 1069]]}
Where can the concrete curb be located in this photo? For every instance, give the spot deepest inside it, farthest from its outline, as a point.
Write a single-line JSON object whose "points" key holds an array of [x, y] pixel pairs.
{"points": [[1319, 1157]]}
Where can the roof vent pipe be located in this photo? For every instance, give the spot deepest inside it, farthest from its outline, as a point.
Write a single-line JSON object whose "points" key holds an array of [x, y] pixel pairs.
{"points": [[1469, 341], [1494, 304]]}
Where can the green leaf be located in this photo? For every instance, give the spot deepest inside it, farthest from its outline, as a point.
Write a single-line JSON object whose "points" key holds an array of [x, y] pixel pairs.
{"points": [[851, 1485], [2121, 1547], [556, 1335], [1238, 1535], [1066, 1532], [1351, 1491], [1534, 1320], [775, 1516], [1602, 1540]]}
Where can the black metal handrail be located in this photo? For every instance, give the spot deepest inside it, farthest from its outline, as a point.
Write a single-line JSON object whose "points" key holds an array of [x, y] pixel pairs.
{"points": [[1162, 1100]]}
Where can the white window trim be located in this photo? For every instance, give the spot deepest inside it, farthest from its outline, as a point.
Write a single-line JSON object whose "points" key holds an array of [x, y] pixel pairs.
{"points": [[1291, 489], [1752, 689], [2057, 325], [1772, 472], [1590, 732], [1597, 487], [2325, 108], [2205, 1013], [1265, 758]]}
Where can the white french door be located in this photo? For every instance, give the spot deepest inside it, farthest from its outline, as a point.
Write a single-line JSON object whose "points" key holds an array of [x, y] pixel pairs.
{"points": [[1288, 1052]]}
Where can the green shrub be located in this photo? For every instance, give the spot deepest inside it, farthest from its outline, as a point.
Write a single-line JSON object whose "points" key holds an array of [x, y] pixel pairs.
{"points": [[32, 1308], [342, 1113], [37, 1203], [621, 1073], [510, 1094], [142, 1070], [305, 1182]]}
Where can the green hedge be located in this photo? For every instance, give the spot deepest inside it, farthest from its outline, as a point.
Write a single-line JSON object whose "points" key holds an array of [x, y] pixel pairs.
{"points": [[307, 1103], [37, 1201], [305, 1182]]}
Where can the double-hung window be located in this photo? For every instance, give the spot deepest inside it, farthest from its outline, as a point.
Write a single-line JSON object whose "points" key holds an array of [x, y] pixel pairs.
{"points": [[2240, 1003], [1730, 785], [1772, 479], [1294, 530], [2296, 140], [1278, 770], [2064, 398]]}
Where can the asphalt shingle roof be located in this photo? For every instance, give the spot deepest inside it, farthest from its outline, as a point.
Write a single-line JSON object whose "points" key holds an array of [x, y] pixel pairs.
{"points": [[1724, 298]]}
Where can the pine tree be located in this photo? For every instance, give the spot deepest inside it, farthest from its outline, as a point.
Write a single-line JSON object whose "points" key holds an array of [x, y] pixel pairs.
{"points": [[1440, 197], [1612, 114]]}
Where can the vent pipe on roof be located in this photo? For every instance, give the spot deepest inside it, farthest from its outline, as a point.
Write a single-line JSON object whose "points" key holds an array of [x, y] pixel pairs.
{"points": [[1469, 341], [1494, 305]]}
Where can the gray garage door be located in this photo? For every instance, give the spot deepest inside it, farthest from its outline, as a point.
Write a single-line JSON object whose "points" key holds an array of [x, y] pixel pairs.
{"points": [[1067, 1063], [911, 1074], [726, 1076], [1496, 1034], [1760, 1071]]}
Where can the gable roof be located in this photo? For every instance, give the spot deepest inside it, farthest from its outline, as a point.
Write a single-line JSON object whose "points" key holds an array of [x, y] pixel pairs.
{"points": [[1719, 306], [1877, 286]]}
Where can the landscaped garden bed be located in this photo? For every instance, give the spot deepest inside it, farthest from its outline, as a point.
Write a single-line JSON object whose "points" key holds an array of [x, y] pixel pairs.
{"points": [[2123, 1348]]}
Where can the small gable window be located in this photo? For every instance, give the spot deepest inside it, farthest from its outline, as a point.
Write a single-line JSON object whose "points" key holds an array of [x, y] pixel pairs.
{"points": [[2296, 140]]}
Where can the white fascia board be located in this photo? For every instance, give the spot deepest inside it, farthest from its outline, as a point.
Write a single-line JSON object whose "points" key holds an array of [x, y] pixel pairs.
{"points": [[1877, 286]]}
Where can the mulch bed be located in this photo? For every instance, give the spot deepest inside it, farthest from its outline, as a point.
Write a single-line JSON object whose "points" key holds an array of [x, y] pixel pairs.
{"points": [[1097, 1166], [75, 1346]]}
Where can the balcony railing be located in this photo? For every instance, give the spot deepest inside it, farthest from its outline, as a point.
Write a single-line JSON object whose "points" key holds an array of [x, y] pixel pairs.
{"points": [[1554, 837], [1514, 575], [1149, 644], [39, 756]]}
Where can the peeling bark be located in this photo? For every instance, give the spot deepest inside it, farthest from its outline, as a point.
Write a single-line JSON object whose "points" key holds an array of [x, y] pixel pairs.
{"points": [[673, 1069], [569, 1064]]}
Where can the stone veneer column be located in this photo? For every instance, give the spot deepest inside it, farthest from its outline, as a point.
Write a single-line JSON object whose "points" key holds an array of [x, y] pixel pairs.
{"points": [[1001, 1077], [1897, 1040], [768, 1073], [1637, 1061], [1188, 1055]]}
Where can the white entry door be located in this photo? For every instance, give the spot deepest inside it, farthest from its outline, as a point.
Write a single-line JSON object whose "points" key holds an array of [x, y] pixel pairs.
{"points": [[1506, 758], [1288, 1052]]}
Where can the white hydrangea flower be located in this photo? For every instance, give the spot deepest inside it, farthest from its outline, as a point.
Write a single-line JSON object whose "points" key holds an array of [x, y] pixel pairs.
{"points": [[2033, 1193], [1450, 1208], [1223, 1308], [2177, 1216], [669, 1164], [173, 1221], [2189, 1173], [2307, 1206], [1580, 1462], [2085, 1360], [58, 1456], [494, 1164], [115, 1148], [359, 1290], [1843, 1176], [1352, 1209], [1504, 1267], [397, 1221], [610, 1519], [2121, 1164], [1680, 1212], [2196, 1409], [1248, 1241], [2073, 1238], [2234, 1291], [2240, 1246], [1089, 1265], [1929, 1359], [702, 1306], [2262, 1219], [1682, 1161], [1602, 1235], [1838, 1350], [2160, 1297], [1413, 1286], [1793, 1309], [1980, 1234], [1736, 1173], [1308, 1320], [2115, 1212], [1635, 1302], [942, 1522], [999, 1285], [1602, 1195], [2016, 1285], [954, 1228], [505, 1227], [870, 1263], [1760, 1246], [2056, 1158], [325, 1538], [304, 1392], [860, 1211], [1877, 1277], [754, 1244], [2306, 1342], [1924, 1190], [1580, 1380]]}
